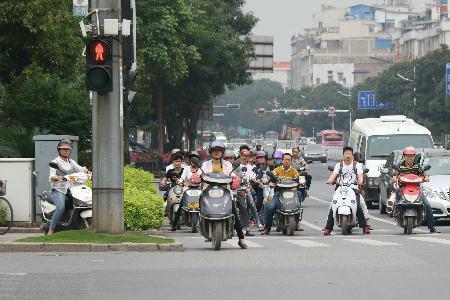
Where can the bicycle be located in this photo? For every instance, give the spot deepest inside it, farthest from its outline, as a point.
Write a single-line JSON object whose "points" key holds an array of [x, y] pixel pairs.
{"points": [[6, 211]]}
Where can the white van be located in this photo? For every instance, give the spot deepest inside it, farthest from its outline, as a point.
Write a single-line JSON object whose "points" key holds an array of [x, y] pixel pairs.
{"points": [[376, 138]]}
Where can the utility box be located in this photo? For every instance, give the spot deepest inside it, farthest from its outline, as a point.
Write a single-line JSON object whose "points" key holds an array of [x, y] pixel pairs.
{"points": [[19, 187], [45, 152]]}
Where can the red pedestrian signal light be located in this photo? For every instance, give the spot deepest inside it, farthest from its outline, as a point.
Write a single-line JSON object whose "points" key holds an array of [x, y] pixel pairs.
{"points": [[260, 112], [99, 64]]}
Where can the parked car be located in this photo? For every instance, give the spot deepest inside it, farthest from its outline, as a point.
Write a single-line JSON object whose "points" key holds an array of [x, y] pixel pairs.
{"points": [[437, 189], [314, 152], [139, 153]]}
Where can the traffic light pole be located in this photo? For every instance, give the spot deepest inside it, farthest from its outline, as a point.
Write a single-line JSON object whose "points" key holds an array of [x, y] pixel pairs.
{"points": [[107, 137]]}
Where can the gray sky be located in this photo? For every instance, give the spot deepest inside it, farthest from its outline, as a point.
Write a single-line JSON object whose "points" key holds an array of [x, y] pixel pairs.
{"points": [[282, 18]]}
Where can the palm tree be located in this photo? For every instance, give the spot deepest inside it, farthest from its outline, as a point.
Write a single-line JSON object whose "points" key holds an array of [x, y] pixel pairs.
{"points": [[17, 141]]}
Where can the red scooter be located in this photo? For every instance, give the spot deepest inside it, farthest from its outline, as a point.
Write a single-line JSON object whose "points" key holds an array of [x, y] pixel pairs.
{"points": [[409, 211]]}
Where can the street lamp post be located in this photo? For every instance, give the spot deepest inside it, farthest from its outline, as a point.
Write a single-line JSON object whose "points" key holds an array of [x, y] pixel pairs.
{"points": [[349, 95], [414, 87]]}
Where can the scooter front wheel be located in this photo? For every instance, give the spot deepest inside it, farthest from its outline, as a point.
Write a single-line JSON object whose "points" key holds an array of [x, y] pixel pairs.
{"points": [[217, 236], [409, 225], [344, 224], [290, 227]]}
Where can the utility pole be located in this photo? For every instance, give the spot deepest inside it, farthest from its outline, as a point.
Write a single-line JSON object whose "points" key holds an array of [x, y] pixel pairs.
{"points": [[107, 134]]}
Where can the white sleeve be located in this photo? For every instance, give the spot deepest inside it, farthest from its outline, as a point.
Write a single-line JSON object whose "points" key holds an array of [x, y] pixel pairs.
{"points": [[337, 168], [76, 167], [359, 168], [185, 175]]}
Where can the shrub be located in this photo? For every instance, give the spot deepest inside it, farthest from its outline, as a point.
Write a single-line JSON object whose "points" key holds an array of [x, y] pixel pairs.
{"points": [[142, 209], [3, 213]]}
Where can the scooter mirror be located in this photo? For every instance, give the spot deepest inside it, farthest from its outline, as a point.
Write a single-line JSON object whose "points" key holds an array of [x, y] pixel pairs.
{"points": [[53, 165], [244, 169], [366, 171], [331, 168], [196, 162], [384, 170], [426, 168]]}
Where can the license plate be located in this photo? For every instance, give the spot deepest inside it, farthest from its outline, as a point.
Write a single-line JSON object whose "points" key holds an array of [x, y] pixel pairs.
{"points": [[193, 205], [302, 178]]}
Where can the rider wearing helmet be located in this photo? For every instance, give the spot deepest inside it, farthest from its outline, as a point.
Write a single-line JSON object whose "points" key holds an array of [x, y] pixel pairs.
{"points": [[60, 188], [278, 156], [191, 175], [218, 165], [410, 166], [262, 167]]}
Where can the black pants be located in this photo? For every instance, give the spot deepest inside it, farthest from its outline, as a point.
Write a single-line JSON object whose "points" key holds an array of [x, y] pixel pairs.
{"points": [[308, 179], [179, 211], [259, 198], [359, 214]]}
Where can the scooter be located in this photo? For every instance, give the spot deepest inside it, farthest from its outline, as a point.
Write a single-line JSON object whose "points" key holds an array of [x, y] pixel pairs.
{"points": [[289, 212], [241, 198], [78, 215], [174, 196], [345, 206], [409, 212], [191, 210], [302, 184], [216, 219]]}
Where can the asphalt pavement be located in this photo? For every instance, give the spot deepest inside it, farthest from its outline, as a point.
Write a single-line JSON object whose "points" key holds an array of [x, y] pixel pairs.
{"points": [[383, 265]]}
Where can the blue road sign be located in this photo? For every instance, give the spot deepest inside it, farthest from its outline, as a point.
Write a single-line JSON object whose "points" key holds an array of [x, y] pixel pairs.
{"points": [[447, 75], [367, 100]]}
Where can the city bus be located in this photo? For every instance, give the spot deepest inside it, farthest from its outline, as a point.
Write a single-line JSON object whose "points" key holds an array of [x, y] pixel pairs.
{"points": [[330, 139]]}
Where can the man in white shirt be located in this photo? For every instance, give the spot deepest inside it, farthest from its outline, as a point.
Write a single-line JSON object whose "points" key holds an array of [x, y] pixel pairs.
{"points": [[172, 153], [249, 176], [350, 172], [59, 186]]}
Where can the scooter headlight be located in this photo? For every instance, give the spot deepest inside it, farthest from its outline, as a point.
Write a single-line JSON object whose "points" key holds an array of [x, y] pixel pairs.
{"points": [[178, 190], [288, 195], [215, 193]]}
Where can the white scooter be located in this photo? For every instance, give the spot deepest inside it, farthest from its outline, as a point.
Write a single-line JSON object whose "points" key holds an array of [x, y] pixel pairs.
{"points": [[78, 215], [344, 206]]}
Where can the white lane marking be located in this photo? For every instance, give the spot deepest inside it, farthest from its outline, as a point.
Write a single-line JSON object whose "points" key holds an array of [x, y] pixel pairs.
{"points": [[307, 243], [310, 225], [431, 240], [394, 224], [319, 200], [249, 243], [13, 274], [372, 242]]}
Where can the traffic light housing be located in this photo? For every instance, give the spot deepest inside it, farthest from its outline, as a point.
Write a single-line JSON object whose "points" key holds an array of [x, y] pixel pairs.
{"points": [[99, 71]]}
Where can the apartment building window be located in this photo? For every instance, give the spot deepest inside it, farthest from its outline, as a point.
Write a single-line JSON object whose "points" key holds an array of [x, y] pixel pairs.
{"points": [[344, 81], [330, 76], [340, 77], [317, 81], [360, 77]]}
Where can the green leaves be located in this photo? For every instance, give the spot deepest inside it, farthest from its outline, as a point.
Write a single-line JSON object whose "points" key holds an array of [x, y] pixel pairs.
{"points": [[17, 141]]}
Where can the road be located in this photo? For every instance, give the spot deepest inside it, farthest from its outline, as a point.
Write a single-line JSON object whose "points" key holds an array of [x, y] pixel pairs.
{"points": [[383, 265]]}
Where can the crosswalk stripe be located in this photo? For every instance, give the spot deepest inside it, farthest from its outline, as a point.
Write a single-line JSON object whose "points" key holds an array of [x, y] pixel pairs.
{"points": [[249, 243], [310, 225], [372, 242], [307, 243], [431, 240]]}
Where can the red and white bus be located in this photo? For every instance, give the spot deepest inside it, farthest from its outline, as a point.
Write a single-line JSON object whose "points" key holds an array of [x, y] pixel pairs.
{"points": [[330, 139]]}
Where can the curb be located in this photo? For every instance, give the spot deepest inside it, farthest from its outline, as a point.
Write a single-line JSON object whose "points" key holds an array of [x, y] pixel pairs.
{"points": [[81, 247], [25, 230]]}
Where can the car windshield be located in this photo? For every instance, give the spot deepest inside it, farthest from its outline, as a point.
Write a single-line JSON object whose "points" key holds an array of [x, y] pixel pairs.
{"points": [[380, 146], [315, 147], [440, 165]]}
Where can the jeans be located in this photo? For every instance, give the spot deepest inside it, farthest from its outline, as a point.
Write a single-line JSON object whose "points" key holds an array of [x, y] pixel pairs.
{"points": [[359, 214], [259, 198], [58, 199], [428, 210], [252, 207], [270, 210]]}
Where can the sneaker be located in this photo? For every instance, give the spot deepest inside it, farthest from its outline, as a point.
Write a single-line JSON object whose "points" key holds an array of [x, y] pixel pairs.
{"points": [[242, 245], [326, 231], [433, 230], [249, 233], [366, 230], [173, 229]]}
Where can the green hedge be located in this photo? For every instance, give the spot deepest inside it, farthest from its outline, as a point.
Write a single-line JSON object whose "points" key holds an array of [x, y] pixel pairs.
{"points": [[143, 207]]}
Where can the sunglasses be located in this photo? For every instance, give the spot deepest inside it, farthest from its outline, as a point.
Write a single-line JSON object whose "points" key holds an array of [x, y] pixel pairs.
{"points": [[229, 157]]}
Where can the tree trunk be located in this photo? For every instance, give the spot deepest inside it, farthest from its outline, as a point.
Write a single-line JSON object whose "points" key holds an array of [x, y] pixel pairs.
{"points": [[160, 109]]}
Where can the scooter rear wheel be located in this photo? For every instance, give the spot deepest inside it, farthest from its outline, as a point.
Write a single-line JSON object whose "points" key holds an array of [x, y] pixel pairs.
{"points": [[409, 225], [217, 236]]}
